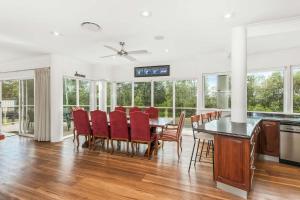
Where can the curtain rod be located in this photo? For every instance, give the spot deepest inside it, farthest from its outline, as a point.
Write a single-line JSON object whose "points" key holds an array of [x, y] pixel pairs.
{"points": [[22, 70]]}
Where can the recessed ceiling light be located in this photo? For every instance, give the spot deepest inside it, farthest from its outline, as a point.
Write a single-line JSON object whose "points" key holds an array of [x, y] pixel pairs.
{"points": [[91, 26], [166, 50], [159, 37], [228, 15], [146, 13], [55, 33]]}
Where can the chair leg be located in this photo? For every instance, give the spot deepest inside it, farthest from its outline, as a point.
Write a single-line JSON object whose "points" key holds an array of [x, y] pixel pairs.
{"points": [[207, 149], [112, 146], [74, 135], [149, 149], [127, 147], [132, 149], [89, 138], [178, 150], [201, 150], [181, 144], [192, 155], [93, 143], [107, 145], [162, 144], [77, 142], [156, 147], [199, 141]]}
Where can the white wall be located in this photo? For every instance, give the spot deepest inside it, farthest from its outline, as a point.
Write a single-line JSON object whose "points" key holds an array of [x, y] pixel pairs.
{"points": [[63, 66]]}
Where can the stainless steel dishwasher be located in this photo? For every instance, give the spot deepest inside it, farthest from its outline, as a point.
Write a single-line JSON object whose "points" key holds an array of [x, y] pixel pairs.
{"points": [[290, 144]]}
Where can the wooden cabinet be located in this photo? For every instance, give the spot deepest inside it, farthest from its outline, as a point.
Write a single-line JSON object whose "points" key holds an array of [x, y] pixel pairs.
{"points": [[269, 138], [232, 161]]}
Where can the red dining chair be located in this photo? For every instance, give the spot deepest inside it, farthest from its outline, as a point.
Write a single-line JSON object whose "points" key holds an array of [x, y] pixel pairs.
{"points": [[140, 131], [99, 126], [120, 108], [74, 108], [82, 125], [134, 109], [118, 128], [152, 112]]}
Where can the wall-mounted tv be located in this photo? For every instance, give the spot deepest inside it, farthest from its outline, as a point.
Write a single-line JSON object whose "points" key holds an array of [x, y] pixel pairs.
{"points": [[149, 71]]}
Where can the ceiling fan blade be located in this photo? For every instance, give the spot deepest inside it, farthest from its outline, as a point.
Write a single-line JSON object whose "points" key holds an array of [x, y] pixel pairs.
{"points": [[129, 58], [138, 52], [111, 48], [109, 56]]}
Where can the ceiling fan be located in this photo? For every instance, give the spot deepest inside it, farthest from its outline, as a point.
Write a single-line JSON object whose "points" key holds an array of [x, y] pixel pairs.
{"points": [[124, 53]]}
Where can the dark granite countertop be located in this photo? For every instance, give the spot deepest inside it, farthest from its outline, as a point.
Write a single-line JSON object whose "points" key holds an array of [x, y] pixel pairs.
{"points": [[224, 126]]}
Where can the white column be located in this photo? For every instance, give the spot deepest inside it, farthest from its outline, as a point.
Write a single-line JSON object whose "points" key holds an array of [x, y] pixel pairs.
{"points": [[239, 74]]}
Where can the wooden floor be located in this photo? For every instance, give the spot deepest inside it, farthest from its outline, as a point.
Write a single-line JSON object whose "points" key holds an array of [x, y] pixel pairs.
{"points": [[32, 170]]}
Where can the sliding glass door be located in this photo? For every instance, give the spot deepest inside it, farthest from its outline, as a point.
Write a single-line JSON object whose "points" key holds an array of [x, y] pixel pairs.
{"points": [[17, 106]]}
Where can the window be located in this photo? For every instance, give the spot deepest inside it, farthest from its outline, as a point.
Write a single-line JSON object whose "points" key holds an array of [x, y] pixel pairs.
{"points": [[185, 98], [217, 91], [265, 91], [75, 93], [84, 94], [124, 94], [163, 98], [108, 96], [142, 94], [296, 90]]}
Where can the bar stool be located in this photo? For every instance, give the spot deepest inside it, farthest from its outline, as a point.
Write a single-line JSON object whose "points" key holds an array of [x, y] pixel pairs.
{"points": [[207, 117], [196, 120]]}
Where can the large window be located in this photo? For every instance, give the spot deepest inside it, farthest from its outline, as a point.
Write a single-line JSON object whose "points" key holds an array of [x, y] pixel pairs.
{"points": [[75, 93], [124, 94], [265, 91], [108, 96], [163, 98], [142, 94], [217, 91], [296, 90], [185, 98], [84, 94]]}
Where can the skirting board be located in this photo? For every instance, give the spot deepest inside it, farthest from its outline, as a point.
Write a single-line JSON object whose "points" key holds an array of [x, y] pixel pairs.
{"points": [[233, 190], [268, 158]]}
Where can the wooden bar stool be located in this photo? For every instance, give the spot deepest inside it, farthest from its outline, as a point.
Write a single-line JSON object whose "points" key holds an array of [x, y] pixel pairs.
{"points": [[196, 120]]}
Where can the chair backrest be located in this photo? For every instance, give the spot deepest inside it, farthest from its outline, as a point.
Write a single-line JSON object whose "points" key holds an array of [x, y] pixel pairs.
{"points": [[134, 109], [81, 122], [139, 126], [195, 119], [180, 124], [118, 125], [120, 108], [99, 123], [213, 115], [205, 117], [219, 114], [152, 112]]}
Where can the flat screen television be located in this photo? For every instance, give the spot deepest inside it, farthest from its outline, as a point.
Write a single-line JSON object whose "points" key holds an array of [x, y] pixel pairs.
{"points": [[150, 71]]}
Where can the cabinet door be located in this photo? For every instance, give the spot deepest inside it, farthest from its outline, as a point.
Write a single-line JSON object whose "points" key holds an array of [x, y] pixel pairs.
{"points": [[270, 138]]}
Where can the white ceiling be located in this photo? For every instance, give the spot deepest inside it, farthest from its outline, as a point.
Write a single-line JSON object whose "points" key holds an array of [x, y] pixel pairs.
{"points": [[190, 27]]}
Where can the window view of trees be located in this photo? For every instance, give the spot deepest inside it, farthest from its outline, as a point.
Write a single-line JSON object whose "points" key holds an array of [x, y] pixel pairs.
{"points": [[84, 94], [265, 91], [185, 98], [142, 94], [217, 91], [108, 96], [296, 90], [124, 92], [163, 98]]}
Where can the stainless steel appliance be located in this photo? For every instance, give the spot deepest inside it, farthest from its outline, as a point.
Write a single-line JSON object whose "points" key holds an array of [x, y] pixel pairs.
{"points": [[290, 144]]}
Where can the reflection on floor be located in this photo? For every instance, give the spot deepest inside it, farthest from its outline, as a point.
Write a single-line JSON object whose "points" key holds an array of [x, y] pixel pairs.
{"points": [[33, 170]]}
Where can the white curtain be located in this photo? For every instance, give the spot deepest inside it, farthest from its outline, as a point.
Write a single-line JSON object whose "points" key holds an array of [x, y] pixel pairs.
{"points": [[42, 105]]}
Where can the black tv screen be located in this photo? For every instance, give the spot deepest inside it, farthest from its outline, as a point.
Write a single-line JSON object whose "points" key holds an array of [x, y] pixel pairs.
{"points": [[162, 70]]}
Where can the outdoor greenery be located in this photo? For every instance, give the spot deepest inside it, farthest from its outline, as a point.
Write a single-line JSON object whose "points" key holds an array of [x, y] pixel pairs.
{"points": [[108, 96], [265, 91], [142, 94], [163, 98], [124, 94], [296, 91]]}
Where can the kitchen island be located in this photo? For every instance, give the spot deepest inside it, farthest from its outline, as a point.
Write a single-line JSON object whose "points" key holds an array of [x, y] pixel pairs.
{"points": [[234, 153]]}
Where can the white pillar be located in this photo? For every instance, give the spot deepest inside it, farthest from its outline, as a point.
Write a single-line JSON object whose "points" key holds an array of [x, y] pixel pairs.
{"points": [[239, 74]]}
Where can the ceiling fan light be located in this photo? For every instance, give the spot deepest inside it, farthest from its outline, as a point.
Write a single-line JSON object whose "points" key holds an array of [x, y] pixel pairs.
{"points": [[91, 26]]}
